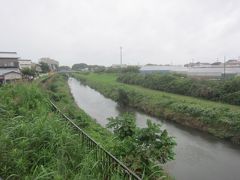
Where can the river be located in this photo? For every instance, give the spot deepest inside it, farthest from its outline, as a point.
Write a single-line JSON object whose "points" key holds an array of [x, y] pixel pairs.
{"points": [[199, 156]]}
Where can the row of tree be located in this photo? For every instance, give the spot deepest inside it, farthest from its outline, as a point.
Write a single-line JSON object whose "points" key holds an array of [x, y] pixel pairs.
{"points": [[97, 68], [31, 73], [218, 90]]}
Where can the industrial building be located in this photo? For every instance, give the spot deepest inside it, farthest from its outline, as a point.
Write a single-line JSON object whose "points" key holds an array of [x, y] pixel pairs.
{"points": [[202, 72]]}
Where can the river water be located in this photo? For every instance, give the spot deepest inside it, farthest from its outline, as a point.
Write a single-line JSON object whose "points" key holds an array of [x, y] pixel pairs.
{"points": [[199, 156]]}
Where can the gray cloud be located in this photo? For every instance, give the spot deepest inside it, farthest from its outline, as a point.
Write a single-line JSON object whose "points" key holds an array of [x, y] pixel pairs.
{"points": [[91, 31]]}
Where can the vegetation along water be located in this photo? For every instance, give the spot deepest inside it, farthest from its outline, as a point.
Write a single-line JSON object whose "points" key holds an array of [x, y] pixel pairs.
{"points": [[36, 143], [224, 90], [221, 120], [198, 155]]}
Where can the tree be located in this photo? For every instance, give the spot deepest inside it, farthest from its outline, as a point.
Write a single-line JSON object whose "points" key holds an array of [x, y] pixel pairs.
{"points": [[132, 69], [64, 68], [28, 73], [45, 68]]}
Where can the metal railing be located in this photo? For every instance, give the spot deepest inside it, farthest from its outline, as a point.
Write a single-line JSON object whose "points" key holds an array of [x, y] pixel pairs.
{"points": [[110, 165]]}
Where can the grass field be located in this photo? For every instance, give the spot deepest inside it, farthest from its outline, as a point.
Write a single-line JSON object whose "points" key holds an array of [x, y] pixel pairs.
{"points": [[219, 119]]}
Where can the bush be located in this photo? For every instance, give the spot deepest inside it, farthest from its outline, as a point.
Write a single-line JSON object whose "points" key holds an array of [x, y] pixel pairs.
{"points": [[122, 98], [142, 147], [208, 89]]}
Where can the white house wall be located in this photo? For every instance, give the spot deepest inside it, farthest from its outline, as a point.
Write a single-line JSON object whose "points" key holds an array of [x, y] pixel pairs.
{"points": [[12, 76]]}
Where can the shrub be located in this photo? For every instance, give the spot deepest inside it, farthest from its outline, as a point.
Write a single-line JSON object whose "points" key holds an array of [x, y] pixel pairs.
{"points": [[208, 89]]}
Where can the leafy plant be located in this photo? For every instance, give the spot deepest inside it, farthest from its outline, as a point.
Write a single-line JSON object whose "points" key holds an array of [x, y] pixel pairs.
{"points": [[141, 147]]}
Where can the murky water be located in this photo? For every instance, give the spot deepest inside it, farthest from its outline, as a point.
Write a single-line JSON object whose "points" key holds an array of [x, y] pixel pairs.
{"points": [[199, 156]]}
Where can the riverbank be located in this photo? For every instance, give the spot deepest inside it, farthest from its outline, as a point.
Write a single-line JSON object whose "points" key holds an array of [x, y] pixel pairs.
{"points": [[221, 90], [218, 119], [195, 151], [58, 90], [36, 142]]}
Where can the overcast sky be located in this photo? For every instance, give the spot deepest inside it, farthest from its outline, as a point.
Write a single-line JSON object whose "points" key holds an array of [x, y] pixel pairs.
{"points": [[150, 31]]}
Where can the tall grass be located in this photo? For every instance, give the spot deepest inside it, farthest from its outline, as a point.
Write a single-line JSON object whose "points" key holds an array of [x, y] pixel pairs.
{"points": [[36, 143]]}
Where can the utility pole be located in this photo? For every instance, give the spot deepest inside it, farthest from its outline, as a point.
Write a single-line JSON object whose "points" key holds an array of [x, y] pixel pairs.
{"points": [[224, 68], [121, 56]]}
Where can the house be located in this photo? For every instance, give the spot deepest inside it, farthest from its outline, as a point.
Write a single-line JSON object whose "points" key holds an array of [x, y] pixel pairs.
{"points": [[9, 60], [53, 64], [9, 74], [25, 63], [9, 67]]}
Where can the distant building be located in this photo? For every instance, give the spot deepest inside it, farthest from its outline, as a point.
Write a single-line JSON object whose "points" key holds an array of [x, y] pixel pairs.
{"points": [[198, 64], [37, 67], [163, 69], [9, 67], [9, 60], [53, 64], [25, 63], [202, 72], [9, 74]]}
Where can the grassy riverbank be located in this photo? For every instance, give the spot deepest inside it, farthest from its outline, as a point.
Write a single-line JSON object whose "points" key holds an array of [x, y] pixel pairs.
{"points": [[35, 142], [221, 120], [221, 90], [58, 90]]}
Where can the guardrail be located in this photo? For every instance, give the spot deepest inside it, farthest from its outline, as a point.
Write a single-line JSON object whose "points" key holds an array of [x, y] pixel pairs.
{"points": [[109, 163]]}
